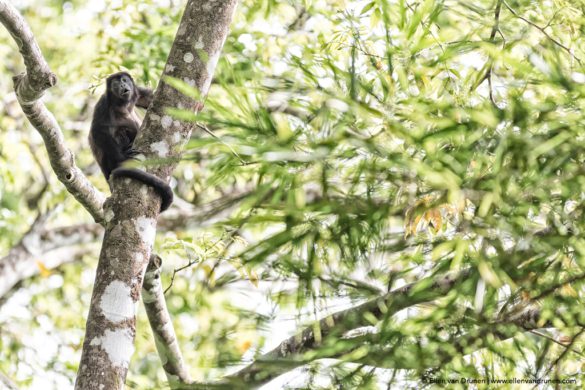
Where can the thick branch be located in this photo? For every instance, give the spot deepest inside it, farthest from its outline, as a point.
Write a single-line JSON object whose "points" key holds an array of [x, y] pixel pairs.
{"points": [[60, 245], [282, 359], [39, 77], [50, 247], [162, 326], [404, 356], [29, 88], [417, 354], [7, 383], [133, 209], [342, 321]]}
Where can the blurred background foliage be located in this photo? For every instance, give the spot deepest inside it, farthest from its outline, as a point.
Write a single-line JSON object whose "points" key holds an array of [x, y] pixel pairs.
{"points": [[347, 148]]}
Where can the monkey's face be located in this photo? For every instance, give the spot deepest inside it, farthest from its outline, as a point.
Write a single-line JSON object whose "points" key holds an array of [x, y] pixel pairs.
{"points": [[122, 86]]}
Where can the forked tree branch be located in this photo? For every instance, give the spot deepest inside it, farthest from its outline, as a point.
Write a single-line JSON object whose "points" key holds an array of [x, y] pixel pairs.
{"points": [[339, 323], [132, 211], [165, 339], [29, 87], [49, 248]]}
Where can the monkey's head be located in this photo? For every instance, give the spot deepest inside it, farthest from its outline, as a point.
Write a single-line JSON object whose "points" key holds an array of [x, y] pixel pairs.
{"points": [[121, 86]]}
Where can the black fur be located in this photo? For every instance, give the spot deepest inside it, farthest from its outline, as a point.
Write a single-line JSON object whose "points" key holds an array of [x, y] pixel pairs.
{"points": [[114, 128]]}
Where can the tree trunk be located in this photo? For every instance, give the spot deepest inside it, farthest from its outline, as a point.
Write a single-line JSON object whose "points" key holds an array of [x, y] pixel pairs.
{"points": [[131, 213]]}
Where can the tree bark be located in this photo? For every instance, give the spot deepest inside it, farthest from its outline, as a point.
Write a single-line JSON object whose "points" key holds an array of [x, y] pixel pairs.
{"points": [[50, 248], [131, 212], [56, 246], [162, 327], [29, 88], [263, 369]]}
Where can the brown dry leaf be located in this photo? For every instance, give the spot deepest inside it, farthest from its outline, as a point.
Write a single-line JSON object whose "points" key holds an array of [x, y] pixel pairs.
{"points": [[435, 218]]}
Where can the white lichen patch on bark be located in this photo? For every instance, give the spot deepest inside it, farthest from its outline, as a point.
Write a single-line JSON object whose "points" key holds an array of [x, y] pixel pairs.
{"points": [[118, 345], [166, 121], [117, 304], [145, 227], [188, 57], [199, 44], [139, 256], [176, 137], [155, 117], [160, 148], [170, 68], [189, 81], [150, 287], [109, 215], [167, 327], [147, 296]]}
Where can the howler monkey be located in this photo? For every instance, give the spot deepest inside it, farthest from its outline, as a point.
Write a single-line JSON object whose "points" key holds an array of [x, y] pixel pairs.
{"points": [[114, 127]]}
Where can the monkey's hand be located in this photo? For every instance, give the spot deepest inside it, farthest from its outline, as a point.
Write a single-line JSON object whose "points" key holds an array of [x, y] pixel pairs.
{"points": [[132, 153]]}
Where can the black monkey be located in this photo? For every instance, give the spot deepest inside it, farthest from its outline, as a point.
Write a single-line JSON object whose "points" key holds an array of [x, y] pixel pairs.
{"points": [[114, 127]]}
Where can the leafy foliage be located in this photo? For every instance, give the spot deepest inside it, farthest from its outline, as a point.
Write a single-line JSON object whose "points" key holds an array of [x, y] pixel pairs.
{"points": [[389, 142], [360, 146]]}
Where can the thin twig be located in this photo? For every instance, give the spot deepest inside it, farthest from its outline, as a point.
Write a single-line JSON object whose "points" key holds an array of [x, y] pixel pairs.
{"points": [[495, 29], [537, 333], [221, 141], [568, 347], [542, 30]]}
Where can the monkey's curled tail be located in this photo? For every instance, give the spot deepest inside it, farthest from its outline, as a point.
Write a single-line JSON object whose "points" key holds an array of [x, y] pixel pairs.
{"points": [[160, 186]]}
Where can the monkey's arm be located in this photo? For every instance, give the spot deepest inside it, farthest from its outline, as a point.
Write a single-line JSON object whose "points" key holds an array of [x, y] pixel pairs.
{"points": [[144, 97]]}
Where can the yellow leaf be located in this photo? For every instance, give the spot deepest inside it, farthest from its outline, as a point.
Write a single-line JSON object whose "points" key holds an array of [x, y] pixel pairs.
{"points": [[44, 271], [281, 123], [568, 291], [253, 278], [243, 346], [210, 274], [417, 221], [245, 272]]}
